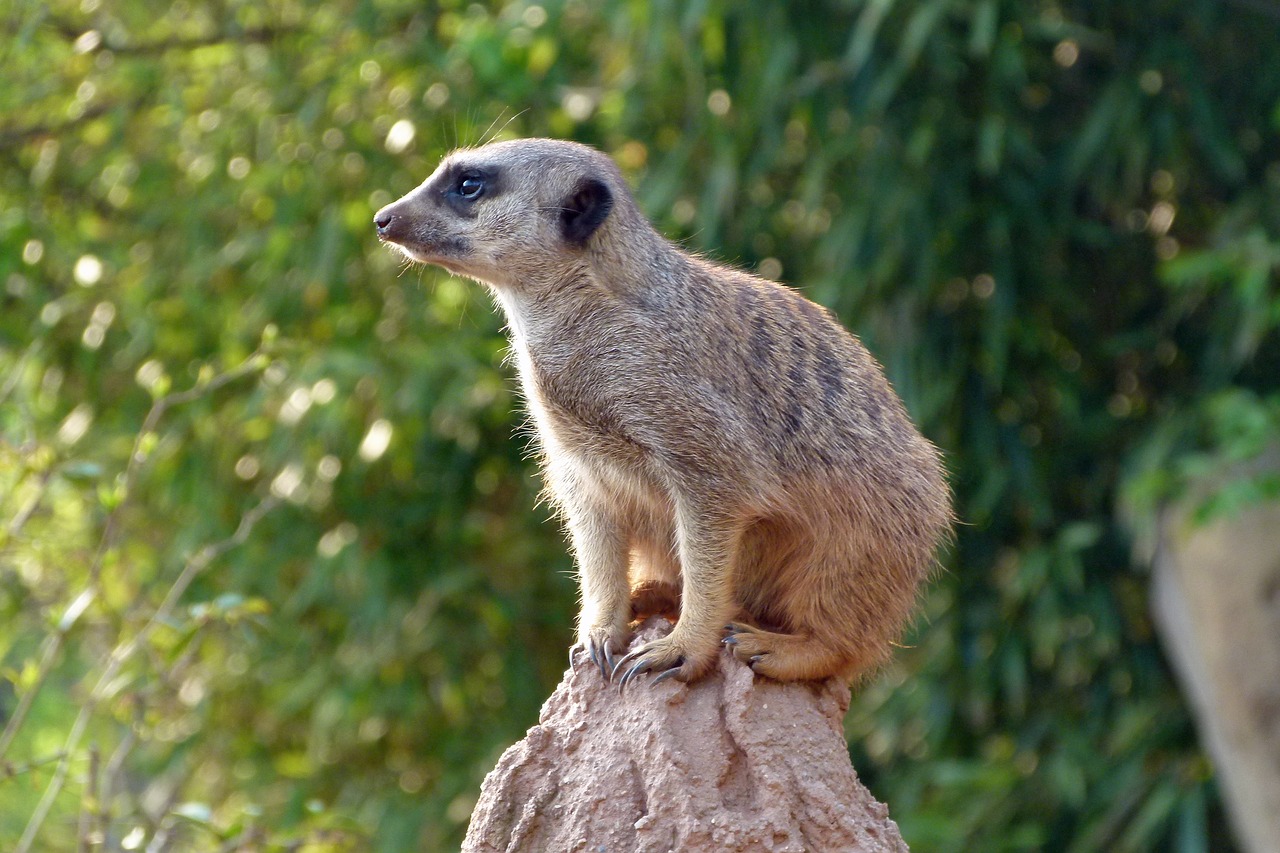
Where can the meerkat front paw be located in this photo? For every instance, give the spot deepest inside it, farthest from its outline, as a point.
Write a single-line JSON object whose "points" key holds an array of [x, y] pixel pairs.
{"points": [[669, 657], [602, 644]]}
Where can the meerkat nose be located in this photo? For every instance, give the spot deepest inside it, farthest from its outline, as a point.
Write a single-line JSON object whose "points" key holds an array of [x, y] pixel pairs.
{"points": [[382, 221]]}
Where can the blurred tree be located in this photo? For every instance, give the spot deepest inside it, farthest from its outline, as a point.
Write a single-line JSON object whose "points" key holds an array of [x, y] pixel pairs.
{"points": [[271, 569]]}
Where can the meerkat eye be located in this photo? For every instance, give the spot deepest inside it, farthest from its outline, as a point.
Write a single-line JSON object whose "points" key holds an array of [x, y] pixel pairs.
{"points": [[470, 187]]}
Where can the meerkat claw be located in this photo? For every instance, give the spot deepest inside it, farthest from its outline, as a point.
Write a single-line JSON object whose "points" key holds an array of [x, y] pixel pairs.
{"points": [[602, 657], [663, 676], [627, 658], [642, 665], [610, 662]]}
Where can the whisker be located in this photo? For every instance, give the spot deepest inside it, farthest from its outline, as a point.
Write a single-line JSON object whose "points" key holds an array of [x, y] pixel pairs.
{"points": [[505, 124], [484, 137]]}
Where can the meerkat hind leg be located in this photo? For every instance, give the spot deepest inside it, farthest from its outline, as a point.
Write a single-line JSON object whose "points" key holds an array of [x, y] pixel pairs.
{"points": [[655, 598], [787, 657], [655, 574]]}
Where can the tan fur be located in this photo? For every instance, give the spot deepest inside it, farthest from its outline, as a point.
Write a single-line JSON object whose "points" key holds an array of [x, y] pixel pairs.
{"points": [[701, 429]]}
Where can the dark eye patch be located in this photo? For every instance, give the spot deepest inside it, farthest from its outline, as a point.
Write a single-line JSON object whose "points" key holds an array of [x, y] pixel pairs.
{"points": [[462, 185]]}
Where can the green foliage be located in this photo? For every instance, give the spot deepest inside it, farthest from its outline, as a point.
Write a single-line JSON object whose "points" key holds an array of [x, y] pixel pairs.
{"points": [[271, 568]]}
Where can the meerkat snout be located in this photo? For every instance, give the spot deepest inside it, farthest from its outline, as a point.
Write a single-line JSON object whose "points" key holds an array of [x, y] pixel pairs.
{"points": [[713, 441]]}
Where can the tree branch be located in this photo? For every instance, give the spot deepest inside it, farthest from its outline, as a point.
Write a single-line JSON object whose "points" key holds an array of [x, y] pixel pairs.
{"points": [[194, 566]]}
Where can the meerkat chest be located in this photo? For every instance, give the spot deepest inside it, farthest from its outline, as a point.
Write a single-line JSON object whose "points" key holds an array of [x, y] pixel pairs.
{"points": [[569, 402], [572, 401], [568, 362]]}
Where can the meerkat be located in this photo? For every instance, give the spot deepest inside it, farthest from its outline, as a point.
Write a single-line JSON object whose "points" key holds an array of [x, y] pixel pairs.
{"points": [[702, 431]]}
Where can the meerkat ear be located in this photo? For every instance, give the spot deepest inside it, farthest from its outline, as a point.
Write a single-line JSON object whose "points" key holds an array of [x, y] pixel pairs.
{"points": [[584, 209]]}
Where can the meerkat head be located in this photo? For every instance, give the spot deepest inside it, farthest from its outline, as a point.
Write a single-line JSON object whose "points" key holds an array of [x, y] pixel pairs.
{"points": [[509, 213]]}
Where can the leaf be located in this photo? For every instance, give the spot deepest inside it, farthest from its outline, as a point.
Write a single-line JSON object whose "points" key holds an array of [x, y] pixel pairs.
{"points": [[198, 813], [76, 609]]}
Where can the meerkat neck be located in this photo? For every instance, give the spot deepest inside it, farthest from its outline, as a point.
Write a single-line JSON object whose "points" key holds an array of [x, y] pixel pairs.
{"points": [[631, 264], [638, 267]]}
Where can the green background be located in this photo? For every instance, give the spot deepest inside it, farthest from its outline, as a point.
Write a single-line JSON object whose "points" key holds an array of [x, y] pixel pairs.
{"points": [[1057, 224]]}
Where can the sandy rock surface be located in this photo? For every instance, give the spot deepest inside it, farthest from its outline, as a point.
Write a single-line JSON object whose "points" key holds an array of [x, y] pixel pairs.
{"points": [[731, 763]]}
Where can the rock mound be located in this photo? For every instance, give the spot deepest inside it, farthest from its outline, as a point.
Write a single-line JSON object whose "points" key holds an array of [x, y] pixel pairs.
{"points": [[731, 763]]}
